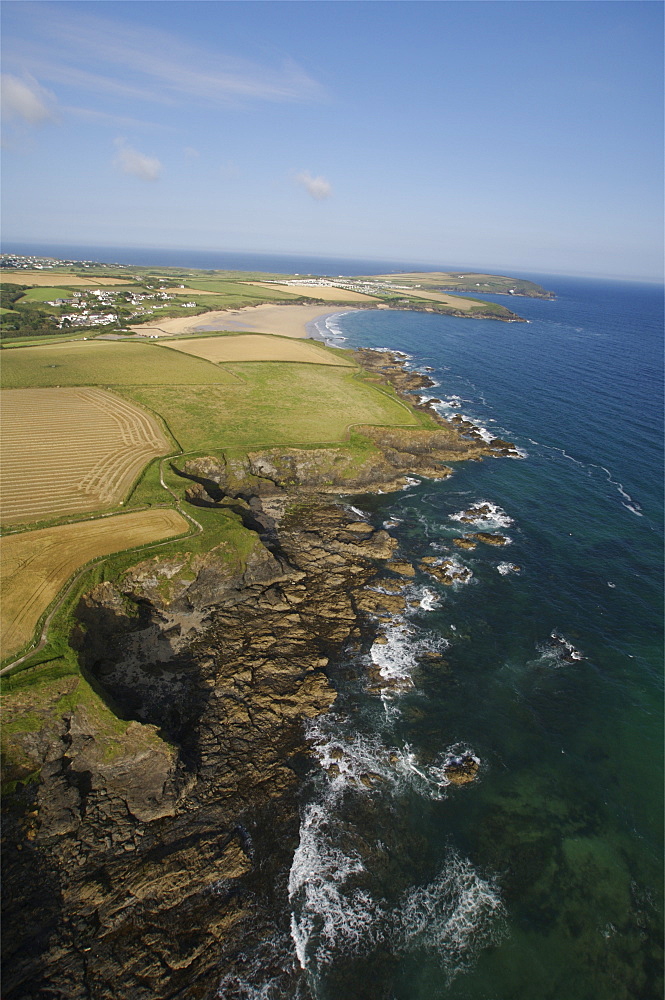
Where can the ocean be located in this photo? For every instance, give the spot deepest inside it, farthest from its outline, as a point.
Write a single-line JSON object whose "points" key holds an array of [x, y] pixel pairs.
{"points": [[541, 879]]}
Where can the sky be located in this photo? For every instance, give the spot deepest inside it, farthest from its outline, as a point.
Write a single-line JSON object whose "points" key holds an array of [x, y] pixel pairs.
{"points": [[494, 135]]}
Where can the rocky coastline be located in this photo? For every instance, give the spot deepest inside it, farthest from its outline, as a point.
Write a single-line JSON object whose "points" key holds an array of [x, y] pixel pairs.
{"points": [[147, 865]]}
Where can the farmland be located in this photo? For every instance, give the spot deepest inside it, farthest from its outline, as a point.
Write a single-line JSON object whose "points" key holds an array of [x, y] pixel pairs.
{"points": [[36, 564], [269, 404], [99, 362], [258, 347], [37, 278], [67, 451], [44, 293], [327, 293]]}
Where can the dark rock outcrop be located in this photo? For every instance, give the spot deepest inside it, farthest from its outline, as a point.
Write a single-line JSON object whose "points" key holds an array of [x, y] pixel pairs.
{"points": [[154, 842]]}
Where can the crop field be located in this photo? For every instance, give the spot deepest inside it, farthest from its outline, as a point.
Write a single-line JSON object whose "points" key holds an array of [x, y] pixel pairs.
{"points": [[103, 362], [68, 451], [325, 292], [21, 277], [258, 347], [36, 565], [269, 404]]}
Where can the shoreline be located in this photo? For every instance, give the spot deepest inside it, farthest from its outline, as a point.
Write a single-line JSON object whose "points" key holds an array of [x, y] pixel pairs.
{"points": [[285, 320], [278, 320]]}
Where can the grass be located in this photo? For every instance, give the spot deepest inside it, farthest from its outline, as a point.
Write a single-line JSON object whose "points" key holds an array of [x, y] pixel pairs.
{"points": [[37, 564], [96, 362], [271, 404], [238, 289], [40, 341], [44, 294]]}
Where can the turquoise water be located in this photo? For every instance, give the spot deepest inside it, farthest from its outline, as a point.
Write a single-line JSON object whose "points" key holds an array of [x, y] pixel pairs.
{"points": [[542, 879]]}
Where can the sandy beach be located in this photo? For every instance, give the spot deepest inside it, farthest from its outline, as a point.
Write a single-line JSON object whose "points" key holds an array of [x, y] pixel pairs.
{"points": [[286, 321]]}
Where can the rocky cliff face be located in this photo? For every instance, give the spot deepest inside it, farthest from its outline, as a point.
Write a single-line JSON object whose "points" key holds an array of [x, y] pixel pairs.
{"points": [[137, 868]]}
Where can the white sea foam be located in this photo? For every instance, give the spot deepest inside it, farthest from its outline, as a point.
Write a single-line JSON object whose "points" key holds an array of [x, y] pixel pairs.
{"points": [[630, 504], [367, 765], [396, 657], [429, 600], [324, 909], [505, 568], [484, 513], [558, 650], [454, 917], [356, 510]]}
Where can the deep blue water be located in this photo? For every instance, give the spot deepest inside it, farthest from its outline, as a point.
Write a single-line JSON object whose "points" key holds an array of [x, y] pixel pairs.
{"points": [[543, 878]]}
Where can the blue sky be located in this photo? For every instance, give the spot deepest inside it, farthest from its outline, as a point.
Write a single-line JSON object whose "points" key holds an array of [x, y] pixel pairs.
{"points": [[495, 135]]}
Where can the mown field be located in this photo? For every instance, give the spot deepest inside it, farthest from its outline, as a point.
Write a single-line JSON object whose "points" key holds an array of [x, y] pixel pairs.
{"points": [[269, 404], [26, 277], [103, 362], [45, 293], [258, 347], [35, 565], [325, 292], [68, 451]]}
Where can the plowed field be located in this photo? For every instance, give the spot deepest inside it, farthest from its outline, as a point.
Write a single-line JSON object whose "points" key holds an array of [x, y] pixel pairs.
{"points": [[35, 565], [71, 450]]}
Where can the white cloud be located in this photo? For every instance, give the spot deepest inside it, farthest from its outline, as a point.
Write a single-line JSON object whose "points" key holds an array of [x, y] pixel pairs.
{"points": [[191, 153], [318, 187], [26, 101], [129, 161]]}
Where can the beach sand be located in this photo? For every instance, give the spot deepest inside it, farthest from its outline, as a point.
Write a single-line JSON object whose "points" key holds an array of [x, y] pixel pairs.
{"points": [[286, 321]]}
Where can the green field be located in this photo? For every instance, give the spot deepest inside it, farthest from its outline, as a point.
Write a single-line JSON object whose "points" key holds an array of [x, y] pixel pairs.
{"points": [[97, 362], [269, 404], [45, 294], [223, 286]]}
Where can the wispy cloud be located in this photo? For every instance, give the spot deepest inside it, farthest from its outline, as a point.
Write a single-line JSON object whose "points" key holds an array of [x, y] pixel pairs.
{"points": [[110, 57], [25, 101], [318, 187], [130, 161], [117, 121]]}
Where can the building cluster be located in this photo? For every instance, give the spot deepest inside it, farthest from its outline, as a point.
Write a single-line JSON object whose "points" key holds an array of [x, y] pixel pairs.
{"points": [[99, 307], [349, 285]]}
